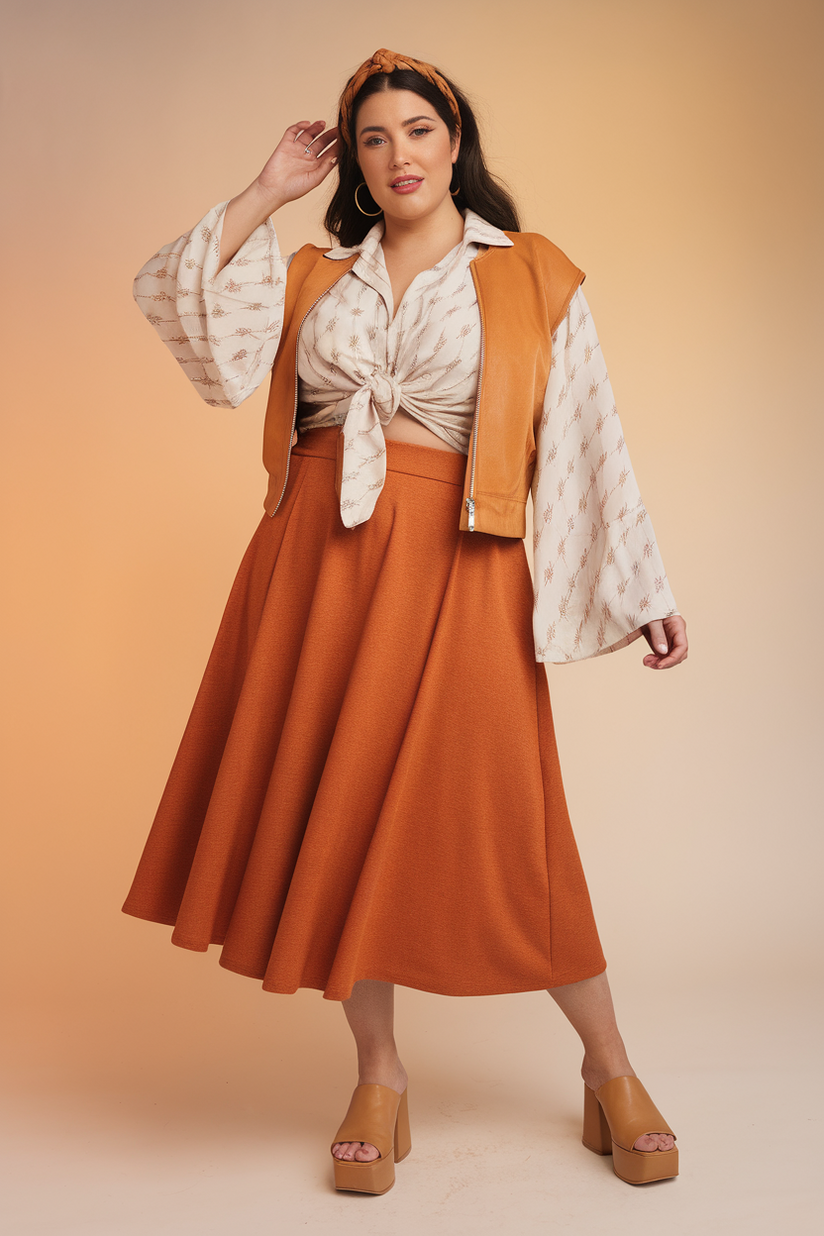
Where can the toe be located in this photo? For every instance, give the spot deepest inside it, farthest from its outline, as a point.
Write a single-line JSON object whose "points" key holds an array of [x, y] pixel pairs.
{"points": [[650, 1142], [358, 1152]]}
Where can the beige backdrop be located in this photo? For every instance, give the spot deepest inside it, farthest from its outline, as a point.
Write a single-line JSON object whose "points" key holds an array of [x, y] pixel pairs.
{"points": [[672, 150]]}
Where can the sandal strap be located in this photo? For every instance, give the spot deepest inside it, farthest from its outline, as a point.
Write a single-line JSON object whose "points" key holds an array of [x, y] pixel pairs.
{"points": [[371, 1117], [629, 1111]]}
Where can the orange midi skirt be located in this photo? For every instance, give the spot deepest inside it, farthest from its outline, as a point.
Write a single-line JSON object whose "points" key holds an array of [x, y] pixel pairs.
{"points": [[368, 786]]}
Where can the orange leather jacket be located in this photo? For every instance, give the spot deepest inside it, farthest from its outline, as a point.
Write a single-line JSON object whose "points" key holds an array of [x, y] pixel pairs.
{"points": [[523, 294]]}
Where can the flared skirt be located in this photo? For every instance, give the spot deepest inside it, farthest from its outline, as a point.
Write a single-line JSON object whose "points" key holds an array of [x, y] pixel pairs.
{"points": [[368, 785]]}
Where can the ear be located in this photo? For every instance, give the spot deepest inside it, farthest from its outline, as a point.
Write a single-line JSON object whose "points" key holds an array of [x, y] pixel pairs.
{"points": [[456, 146]]}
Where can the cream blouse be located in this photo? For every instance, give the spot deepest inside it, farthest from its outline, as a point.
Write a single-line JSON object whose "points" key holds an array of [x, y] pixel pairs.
{"points": [[597, 570]]}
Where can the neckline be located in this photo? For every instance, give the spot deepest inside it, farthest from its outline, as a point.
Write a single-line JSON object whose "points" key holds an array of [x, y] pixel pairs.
{"points": [[439, 268], [476, 230]]}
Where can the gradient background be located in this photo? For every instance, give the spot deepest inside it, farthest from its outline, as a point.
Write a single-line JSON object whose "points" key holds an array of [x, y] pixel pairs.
{"points": [[673, 150]]}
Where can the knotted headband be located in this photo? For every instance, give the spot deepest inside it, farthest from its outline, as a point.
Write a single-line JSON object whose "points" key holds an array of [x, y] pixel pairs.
{"points": [[385, 61]]}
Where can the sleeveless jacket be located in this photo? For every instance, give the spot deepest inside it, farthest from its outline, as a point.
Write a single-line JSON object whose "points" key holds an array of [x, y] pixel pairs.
{"points": [[523, 294]]}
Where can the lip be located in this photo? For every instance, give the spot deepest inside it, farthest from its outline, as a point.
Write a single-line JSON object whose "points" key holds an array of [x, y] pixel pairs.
{"points": [[414, 182]]}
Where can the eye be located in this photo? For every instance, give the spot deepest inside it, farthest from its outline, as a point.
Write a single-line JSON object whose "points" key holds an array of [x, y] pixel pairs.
{"points": [[421, 130]]}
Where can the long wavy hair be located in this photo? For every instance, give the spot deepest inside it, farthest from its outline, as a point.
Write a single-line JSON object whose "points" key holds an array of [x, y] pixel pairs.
{"points": [[480, 190]]}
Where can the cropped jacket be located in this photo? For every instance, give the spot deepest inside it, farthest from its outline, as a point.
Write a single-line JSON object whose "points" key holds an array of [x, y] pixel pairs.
{"points": [[523, 294]]}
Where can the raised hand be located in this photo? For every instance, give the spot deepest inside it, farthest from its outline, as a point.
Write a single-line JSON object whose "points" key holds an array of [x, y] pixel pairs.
{"points": [[302, 159]]}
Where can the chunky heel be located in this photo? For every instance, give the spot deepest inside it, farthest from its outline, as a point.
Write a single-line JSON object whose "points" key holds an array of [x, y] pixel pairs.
{"points": [[615, 1116], [597, 1136], [403, 1137], [380, 1116]]}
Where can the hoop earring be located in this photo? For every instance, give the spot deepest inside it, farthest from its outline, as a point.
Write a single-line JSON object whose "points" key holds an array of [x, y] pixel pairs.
{"points": [[370, 214], [454, 192]]}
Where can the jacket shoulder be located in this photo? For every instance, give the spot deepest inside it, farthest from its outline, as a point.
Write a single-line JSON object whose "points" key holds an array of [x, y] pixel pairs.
{"points": [[560, 276], [306, 257], [315, 250]]}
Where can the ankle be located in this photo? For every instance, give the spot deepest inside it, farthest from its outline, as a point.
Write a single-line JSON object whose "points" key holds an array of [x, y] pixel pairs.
{"points": [[383, 1068], [602, 1066]]}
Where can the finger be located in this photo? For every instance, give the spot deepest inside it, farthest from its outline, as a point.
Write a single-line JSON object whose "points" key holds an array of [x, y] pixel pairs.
{"points": [[676, 630], [313, 132], [327, 146], [297, 128], [331, 134], [310, 127], [320, 143], [657, 637], [318, 150], [678, 645], [673, 658]]}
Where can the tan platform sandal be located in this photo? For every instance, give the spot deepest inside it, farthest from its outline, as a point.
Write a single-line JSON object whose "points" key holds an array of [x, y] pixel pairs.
{"points": [[380, 1116], [615, 1116]]}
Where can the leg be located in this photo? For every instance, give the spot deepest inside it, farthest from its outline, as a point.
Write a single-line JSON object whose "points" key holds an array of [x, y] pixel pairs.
{"points": [[588, 1006], [370, 1012]]}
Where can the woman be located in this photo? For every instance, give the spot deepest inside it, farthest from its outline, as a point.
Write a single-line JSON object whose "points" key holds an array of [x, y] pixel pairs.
{"points": [[368, 789]]}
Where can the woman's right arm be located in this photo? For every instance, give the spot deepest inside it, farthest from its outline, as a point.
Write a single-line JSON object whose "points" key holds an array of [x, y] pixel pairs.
{"points": [[215, 295]]}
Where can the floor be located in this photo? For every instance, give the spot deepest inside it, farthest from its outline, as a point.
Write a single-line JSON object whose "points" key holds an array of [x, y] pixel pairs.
{"points": [[125, 1127]]}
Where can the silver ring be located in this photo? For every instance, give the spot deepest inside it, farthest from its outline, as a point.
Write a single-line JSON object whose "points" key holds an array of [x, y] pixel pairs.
{"points": [[308, 150]]}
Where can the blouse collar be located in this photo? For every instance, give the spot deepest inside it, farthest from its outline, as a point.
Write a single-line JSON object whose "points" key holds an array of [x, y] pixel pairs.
{"points": [[476, 231]]}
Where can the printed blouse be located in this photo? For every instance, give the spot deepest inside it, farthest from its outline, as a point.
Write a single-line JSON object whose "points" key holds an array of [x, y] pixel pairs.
{"points": [[598, 575]]}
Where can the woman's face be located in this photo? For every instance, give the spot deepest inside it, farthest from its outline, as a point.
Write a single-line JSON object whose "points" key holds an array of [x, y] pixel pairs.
{"points": [[405, 153]]}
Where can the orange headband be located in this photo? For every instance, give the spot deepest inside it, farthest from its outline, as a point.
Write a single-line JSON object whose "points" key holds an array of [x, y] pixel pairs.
{"points": [[385, 61]]}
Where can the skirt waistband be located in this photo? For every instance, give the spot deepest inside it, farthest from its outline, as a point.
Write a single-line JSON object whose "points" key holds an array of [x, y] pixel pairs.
{"points": [[408, 457]]}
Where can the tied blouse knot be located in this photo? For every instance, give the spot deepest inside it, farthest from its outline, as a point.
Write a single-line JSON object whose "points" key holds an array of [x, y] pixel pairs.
{"points": [[422, 356], [364, 449], [598, 575]]}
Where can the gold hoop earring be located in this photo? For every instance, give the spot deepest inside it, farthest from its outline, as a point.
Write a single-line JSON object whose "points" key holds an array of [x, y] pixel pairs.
{"points": [[456, 192], [369, 214]]}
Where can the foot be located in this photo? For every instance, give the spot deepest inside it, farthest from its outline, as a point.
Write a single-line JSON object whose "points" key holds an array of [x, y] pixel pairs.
{"points": [[364, 1152], [595, 1076]]}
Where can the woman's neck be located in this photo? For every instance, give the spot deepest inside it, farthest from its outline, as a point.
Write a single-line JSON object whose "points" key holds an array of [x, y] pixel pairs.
{"points": [[443, 228]]}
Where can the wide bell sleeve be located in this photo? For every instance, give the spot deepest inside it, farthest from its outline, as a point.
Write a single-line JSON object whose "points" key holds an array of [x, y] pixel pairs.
{"points": [[598, 574], [223, 328]]}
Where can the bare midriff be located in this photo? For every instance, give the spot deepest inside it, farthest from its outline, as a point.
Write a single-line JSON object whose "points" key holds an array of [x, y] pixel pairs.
{"points": [[404, 428]]}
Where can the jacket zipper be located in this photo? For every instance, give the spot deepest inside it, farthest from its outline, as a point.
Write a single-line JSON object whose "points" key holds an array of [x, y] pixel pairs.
{"points": [[470, 502], [295, 409]]}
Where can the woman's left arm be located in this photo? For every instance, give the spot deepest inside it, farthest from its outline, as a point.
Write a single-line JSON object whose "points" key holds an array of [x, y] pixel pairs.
{"points": [[600, 582]]}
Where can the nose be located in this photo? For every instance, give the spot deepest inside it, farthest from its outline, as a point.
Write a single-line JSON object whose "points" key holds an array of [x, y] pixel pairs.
{"points": [[400, 158]]}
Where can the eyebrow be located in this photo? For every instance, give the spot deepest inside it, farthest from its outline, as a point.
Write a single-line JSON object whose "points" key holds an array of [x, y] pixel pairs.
{"points": [[377, 128]]}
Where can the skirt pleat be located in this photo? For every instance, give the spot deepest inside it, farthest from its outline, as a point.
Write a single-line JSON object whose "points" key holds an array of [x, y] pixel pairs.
{"points": [[368, 785]]}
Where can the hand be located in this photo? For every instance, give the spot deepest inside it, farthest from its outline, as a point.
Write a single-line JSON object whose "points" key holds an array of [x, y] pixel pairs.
{"points": [[667, 637], [290, 172]]}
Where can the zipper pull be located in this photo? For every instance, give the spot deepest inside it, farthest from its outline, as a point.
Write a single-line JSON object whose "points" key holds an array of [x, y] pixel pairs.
{"points": [[470, 506]]}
